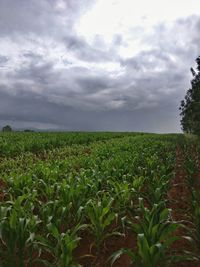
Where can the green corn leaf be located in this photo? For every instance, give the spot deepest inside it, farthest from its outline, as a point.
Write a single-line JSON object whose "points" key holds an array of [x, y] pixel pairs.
{"points": [[143, 248], [164, 214], [115, 256]]}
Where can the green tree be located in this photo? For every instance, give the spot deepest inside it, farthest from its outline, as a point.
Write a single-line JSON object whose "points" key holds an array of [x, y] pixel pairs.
{"points": [[190, 106], [7, 128]]}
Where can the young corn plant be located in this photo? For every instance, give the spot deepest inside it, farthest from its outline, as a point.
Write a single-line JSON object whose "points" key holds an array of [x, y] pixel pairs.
{"points": [[192, 170], [17, 235], [72, 198], [59, 213], [154, 237], [196, 218], [100, 217], [156, 189], [194, 229], [60, 245], [122, 195]]}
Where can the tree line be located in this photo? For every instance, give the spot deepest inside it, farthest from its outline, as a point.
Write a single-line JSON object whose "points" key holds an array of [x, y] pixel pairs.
{"points": [[190, 106]]}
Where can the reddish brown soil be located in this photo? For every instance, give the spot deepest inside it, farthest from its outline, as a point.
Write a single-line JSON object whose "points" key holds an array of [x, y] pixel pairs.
{"points": [[198, 178], [87, 151], [2, 188], [45, 256], [88, 257], [180, 203]]}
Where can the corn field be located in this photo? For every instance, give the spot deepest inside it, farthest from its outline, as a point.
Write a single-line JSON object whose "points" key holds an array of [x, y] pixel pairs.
{"points": [[99, 200]]}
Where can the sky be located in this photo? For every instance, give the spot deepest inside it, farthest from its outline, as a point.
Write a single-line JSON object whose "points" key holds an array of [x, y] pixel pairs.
{"points": [[96, 65]]}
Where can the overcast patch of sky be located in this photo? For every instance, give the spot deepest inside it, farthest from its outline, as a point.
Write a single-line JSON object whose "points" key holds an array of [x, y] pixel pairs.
{"points": [[97, 65]]}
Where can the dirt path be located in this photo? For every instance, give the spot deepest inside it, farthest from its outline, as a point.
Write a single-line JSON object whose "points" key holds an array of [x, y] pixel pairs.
{"points": [[180, 203]]}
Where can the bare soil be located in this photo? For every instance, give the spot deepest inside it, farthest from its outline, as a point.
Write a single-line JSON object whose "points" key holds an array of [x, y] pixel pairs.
{"points": [[3, 186], [111, 245], [180, 202]]}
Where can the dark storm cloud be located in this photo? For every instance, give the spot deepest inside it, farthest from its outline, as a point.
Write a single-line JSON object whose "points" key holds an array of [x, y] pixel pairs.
{"points": [[33, 57], [93, 84], [41, 74], [25, 16], [3, 60], [87, 52], [33, 111], [39, 17], [148, 60], [52, 76]]}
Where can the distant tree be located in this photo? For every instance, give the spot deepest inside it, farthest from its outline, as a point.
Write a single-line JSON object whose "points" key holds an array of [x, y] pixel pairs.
{"points": [[7, 128], [190, 106]]}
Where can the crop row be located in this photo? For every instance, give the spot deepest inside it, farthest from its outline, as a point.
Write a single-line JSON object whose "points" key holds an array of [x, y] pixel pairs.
{"points": [[107, 188], [15, 143], [191, 151]]}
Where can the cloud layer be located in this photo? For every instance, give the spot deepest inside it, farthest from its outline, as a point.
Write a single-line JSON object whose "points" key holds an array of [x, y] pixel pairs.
{"points": [[51, 76]]}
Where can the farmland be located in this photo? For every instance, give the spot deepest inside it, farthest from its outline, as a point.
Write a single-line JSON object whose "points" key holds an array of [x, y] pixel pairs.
{"points": [[99, 199]]}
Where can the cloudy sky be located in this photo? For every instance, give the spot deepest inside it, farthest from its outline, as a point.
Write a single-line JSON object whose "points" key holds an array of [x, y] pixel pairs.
{"points": [[118, 65]]}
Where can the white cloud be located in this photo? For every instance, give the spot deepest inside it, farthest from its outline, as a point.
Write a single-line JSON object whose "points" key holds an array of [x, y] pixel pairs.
{"points": [[132, 20]]}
